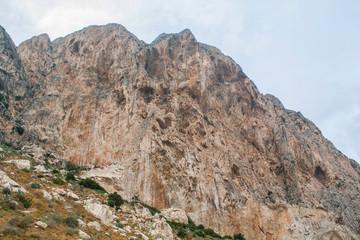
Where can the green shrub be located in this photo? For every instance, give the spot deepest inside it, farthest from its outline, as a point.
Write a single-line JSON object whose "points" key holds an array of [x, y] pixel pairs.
{"points": [[20, 130], [239, 236], [115, 200], [14, 221], [6, 191], [6, 105], [152, 210], [119, 225], [227, 237], [19, 98], [71, 222], [191, 225], [72, 167], [35, 185], [56, 217], [10, 231], [182, 233], [38, 194], [40, 176], [70, 231], [89, 183], [176, 225], [8, 204], [54, 220], [58, 181], [199, 233], [35, 236], [26, 202], [210, 233], [55, 171], [70, 177], [26, 221]]}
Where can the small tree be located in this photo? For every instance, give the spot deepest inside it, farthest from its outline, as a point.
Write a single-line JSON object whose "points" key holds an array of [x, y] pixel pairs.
{"points": [[115, 200], [71, 222], [89, 183], [239, 236]]}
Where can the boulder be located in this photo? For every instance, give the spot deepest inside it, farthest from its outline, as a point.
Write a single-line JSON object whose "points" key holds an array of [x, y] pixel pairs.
{"points": [[47, 196], [81, 224], [72, 195], [95, 225], [40, 169], [175, 214], [59, 191], [41, 224], [101, 211], [162, 230], [83, 235], [20, 164], [7, 182], [34, 151], [142, 211]]}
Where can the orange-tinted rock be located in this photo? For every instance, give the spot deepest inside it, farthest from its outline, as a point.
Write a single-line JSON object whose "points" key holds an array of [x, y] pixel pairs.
{"points": [[180, 125]]}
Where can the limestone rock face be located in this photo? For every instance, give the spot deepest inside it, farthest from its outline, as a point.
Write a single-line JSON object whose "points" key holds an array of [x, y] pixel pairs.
{"points": [[101, 211], [176, 215], [20, 164], [179, 125], [7, 182], [12, 81]]}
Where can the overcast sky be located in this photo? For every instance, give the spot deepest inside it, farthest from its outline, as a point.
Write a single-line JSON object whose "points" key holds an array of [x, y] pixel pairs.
{"points": [[307, 53]]}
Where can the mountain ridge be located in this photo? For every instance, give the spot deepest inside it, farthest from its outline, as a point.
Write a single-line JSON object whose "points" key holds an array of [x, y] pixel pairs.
{"points": [[179, 124]]}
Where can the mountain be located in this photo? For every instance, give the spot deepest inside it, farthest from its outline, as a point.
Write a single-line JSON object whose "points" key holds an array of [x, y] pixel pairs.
{"points": [[177, 124]]}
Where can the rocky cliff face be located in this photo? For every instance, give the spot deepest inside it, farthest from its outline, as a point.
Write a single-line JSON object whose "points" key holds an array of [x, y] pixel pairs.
{"points": [[179, 124]]}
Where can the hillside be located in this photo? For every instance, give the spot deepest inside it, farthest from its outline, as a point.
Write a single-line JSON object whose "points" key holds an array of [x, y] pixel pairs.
{"points": [[179, 125]]}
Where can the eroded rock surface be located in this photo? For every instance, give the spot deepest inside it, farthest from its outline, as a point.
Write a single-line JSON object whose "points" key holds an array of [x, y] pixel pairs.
{"points": [[179, 125]]}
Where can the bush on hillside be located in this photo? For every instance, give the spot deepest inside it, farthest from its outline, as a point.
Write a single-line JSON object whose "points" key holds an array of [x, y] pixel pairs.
{"points": [[89, 183], [115, 200]]}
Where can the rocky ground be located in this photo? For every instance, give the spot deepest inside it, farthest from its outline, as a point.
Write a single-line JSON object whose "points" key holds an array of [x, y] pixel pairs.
{"points": [[44, 200], [179, 125]]}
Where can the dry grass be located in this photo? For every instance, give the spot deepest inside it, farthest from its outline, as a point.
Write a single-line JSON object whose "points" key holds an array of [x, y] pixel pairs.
{"points": [[43, 210]]}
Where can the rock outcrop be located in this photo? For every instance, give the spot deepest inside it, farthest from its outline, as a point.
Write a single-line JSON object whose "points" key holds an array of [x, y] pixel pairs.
{"points": [[179, 125]]}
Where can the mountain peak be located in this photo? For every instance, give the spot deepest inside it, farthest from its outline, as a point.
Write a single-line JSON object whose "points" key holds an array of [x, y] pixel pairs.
{"points": [[177, 124]]}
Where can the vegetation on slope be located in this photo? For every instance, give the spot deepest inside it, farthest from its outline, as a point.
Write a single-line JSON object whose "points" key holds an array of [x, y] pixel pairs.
{"points": [[21, 211]]}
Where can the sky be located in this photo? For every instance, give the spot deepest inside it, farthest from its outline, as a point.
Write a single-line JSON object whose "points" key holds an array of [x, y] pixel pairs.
{"points": [[305, 52]]}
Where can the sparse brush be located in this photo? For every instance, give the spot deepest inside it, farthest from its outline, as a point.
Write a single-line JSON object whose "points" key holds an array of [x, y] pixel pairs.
{"points": [[26, 202], [89, 183], [23, 222], [70, 177], [70, 231], [35, 185], [71, 222], [14, 221], [239, 236], [35, 236], [8, 204], [115, 200], [38, 194], [72, 167], [10, 231], [26, 221], [58, 181], [182, 233], [6, 190], [54, 220]]}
